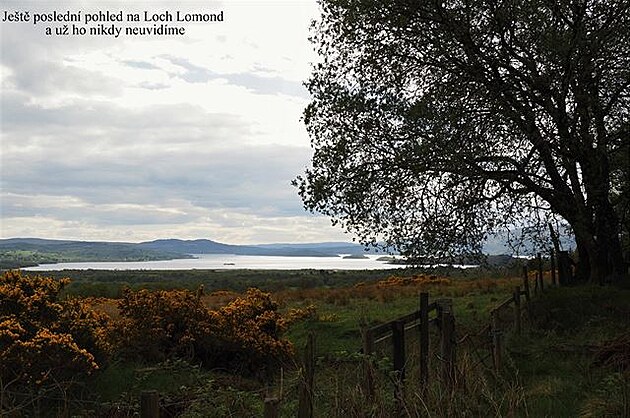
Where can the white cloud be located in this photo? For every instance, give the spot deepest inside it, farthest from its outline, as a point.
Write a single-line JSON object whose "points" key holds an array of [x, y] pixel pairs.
{"points": [[142, 138]]}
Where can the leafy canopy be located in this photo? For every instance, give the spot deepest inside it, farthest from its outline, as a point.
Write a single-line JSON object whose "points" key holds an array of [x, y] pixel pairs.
{"points": [[436, 123]]}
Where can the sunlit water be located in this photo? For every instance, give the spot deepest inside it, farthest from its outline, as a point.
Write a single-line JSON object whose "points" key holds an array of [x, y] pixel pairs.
{"points": [[231, 262]]}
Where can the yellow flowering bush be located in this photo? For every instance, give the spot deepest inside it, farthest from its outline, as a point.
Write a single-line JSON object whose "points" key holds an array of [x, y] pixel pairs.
{"points": [[300, 314], [415, 280], [157, 325], [249, 330], [245, 335], [45, 340]]}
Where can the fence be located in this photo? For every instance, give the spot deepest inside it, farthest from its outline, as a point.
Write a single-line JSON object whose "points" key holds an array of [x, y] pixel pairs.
{"points": [[439, 314]]}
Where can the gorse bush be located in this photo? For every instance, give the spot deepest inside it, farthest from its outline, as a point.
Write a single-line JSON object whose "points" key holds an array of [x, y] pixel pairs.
{"points": [[45, 343], [48, 344], [250, 330], [244, 336], [157, 325]]}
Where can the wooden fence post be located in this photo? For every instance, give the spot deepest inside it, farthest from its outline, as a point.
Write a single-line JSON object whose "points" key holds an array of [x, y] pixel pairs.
{"points": [[526, 292], [149, 404], [398, 338], [305, 406], [424, 340], [368, 370], [271, 408], [447, 343], [526, 284], [517, 309], [554, 282], [496, 340], [564, 268], [540, 272]]}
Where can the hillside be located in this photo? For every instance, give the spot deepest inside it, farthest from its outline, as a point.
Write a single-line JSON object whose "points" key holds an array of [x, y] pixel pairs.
{"points": [[23, 252]]}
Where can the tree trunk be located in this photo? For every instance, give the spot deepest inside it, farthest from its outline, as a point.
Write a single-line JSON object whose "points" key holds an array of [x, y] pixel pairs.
{"points": [[600, 259], [608, 229], [585, 252], [597, 226]]}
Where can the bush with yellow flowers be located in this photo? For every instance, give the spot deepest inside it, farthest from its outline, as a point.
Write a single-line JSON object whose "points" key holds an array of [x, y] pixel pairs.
{"points": [[249, 331], [154, 326], [45, 342], [243, 336]]}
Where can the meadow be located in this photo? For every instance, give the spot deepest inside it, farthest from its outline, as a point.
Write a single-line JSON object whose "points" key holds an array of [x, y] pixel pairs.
{"points": [[572, 358]]}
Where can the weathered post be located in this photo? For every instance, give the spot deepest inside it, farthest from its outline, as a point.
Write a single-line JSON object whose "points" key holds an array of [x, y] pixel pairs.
{"points": [[496, 340], [149, 404], [447, 343], [552, 259], [526, 283], [424, 340], [564, 268], [368, 370], [517, 310], [305, 403], [526, 291], [271, 408], [398, 337], [540, 272]]}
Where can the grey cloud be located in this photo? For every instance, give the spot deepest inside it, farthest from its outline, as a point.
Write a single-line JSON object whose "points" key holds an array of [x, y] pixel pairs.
{"points": [[102, 214], [256, 83], [153, 86], [19, 114], [36, 63], [251, 178], [101, 154], [143, 65]]}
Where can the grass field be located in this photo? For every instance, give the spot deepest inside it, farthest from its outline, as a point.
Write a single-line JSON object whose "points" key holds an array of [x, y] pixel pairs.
{"points": [[572, 359]]}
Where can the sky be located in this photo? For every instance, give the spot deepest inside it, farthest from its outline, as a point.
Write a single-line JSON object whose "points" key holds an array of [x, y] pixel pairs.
{"points": [[138, 138]]}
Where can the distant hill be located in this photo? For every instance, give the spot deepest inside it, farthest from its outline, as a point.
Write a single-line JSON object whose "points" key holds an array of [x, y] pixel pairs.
{"points": [[205, 246], [23, 252]]}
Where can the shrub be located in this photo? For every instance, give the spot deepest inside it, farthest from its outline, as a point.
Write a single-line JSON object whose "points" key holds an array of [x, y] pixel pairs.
{"points": [[157, 325], [45, 343], [250, 330], [245, 335]]}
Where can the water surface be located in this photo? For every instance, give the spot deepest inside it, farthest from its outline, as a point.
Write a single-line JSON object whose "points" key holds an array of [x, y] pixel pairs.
{"points": [[230, 262]]}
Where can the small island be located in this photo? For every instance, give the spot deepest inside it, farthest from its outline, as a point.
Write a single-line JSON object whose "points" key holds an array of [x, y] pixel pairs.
{"points": [[356, 257]]}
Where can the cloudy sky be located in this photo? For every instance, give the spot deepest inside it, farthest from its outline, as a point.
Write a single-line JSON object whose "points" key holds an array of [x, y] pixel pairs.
{"points": [[139, 138]]}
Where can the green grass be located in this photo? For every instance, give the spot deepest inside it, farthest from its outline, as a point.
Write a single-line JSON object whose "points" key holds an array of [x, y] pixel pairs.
{"points": [[185, 390], [548, 371], [555, 359]]}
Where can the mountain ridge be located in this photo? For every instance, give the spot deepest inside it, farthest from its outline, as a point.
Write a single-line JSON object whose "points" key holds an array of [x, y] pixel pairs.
{"points": [[23, 252]]}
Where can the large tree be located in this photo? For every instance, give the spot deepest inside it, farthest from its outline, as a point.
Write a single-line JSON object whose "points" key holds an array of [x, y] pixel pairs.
{"points": [[436, 123]]}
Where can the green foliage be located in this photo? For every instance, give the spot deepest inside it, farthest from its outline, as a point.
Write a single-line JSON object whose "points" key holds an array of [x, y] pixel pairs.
{"points": [[561, 362], [436, 123], [14, 259], [213, 400], [570, 361], [185, 390], [111, 283], [611, 398]]}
